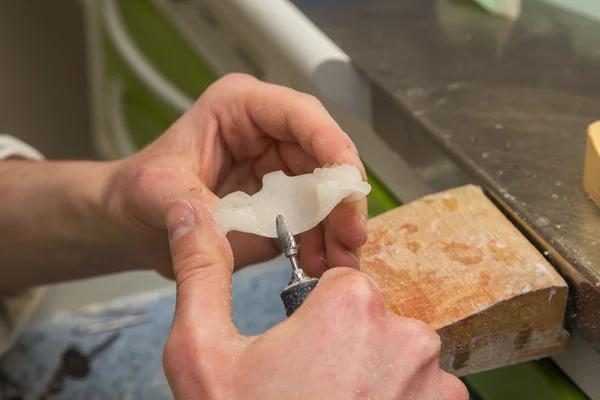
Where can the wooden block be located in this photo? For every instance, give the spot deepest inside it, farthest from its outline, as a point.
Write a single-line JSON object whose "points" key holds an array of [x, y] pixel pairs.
{"points": [[454, 261], [591, 169]]}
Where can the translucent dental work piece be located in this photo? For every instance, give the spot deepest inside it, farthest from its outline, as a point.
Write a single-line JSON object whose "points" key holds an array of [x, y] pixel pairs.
{"points": [[303, 200]]}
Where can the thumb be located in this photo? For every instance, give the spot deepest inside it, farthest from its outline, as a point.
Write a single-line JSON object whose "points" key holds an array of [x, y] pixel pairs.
{"points": [[203, 266]]}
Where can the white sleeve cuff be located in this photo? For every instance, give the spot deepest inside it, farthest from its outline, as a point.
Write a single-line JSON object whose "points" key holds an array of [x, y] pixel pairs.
{"points": [[12, 147]]}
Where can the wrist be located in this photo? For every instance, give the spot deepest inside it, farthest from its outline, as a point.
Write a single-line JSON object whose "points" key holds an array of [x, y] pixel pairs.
{"points": [[112, 241], [98, 233], [53, 222], [77, 222]]}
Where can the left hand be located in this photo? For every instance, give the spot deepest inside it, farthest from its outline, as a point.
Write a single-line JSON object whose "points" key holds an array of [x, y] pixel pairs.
{"points": [[239, 130]]}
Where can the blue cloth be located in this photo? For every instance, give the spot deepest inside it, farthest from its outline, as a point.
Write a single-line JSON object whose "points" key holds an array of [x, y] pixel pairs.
{"points": [[132, 367]]}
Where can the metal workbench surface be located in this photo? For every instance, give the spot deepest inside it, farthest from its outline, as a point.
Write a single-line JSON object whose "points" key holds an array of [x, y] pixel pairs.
{"points": [[509, 103]]}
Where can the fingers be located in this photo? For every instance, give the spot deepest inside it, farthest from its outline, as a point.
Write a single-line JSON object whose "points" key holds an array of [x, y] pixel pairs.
{"points": [[345, 233], [297, 160], [249, 114], [248, 109], [336, 242], [301, 122], [292, 116], [312, 251], [202, 264], [288, 115], [348, 221], [339, 255]]}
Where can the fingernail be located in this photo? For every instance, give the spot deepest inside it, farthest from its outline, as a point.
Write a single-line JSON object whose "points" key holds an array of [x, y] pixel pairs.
{"points": [[180, 219]]}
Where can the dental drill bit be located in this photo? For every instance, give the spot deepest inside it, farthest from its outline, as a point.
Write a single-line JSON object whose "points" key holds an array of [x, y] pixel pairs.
{"points": [[301, 284]]}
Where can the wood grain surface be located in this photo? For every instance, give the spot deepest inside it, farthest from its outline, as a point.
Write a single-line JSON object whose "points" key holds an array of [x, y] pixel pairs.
{"points": [[454, 261]]}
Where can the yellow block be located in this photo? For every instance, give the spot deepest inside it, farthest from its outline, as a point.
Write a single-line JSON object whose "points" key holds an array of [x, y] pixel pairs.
{"points": [[591, 169]]}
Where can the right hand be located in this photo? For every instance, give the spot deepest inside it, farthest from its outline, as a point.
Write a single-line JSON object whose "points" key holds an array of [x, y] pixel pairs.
{"points": [[342, 343]]}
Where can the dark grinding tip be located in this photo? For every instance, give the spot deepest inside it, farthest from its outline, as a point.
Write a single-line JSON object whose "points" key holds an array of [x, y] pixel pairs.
{"points": [[294, 296], [285, 235]]}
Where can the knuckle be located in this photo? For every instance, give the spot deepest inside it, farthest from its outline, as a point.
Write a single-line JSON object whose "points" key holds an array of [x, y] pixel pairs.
{"points": [[358, 291], [235, 77], [145, 178], [191, 265], [142, 178], [235, 80], [457, 390], [190, 259], [136, 181], [423, 339], [311, 99], [226, 87], [462, 392], [361, 287]]}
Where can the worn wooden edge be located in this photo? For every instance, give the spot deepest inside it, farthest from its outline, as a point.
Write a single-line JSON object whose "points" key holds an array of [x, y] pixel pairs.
{"points": [[478, 359], [583, 304], [489, 348]]}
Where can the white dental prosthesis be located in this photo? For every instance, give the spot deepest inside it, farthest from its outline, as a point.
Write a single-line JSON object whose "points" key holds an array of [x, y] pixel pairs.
{"points": [[304, 200]]}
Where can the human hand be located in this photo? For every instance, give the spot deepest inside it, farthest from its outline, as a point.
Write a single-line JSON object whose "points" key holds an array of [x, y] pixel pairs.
{"points": [[342, 343], [238, 130]]}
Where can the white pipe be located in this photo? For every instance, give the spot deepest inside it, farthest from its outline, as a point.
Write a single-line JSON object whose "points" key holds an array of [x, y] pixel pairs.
{"points": [[174, 97], [300, 42]]}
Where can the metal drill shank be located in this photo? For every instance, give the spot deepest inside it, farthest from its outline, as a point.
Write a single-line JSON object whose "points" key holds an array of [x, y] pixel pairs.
{"points": [[289, 247], [301, 285]]}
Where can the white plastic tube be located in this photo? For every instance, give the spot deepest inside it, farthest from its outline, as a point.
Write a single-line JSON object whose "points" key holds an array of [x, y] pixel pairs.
{"points": [[161, 87]]}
